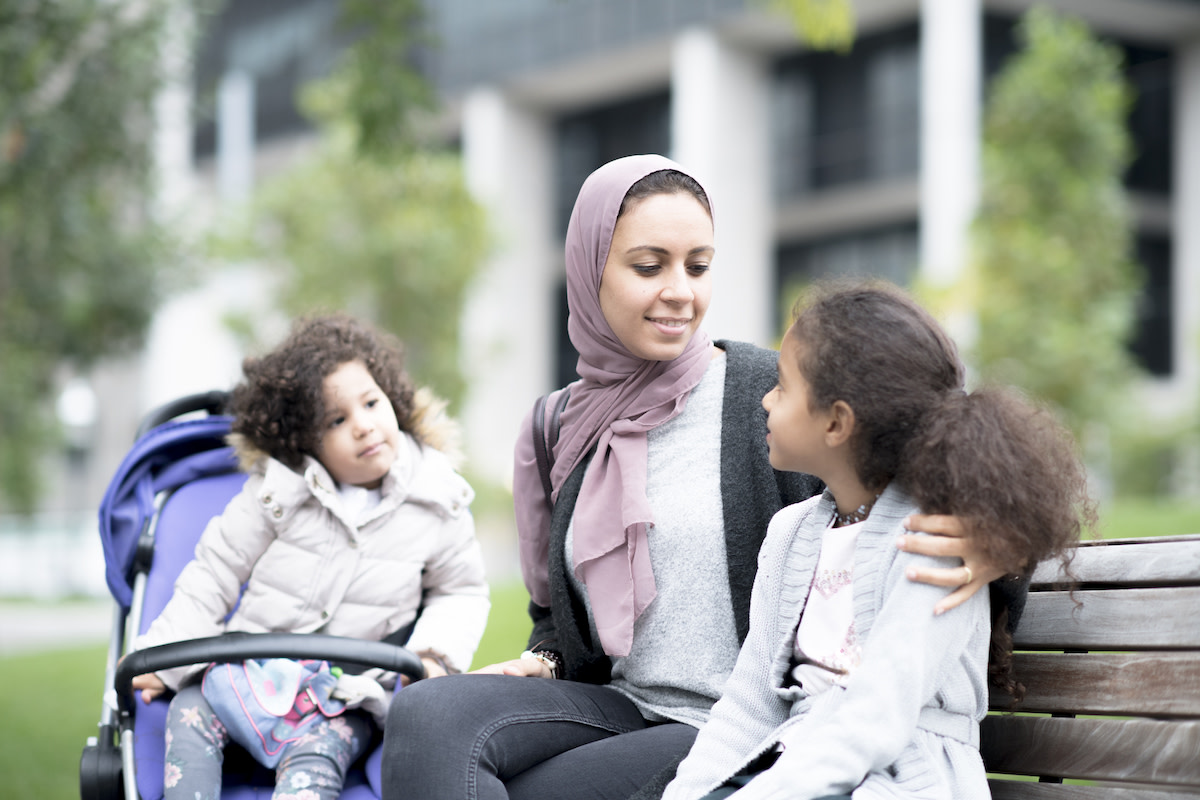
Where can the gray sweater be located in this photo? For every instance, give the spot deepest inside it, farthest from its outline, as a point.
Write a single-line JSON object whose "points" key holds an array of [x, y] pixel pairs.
{"points": [[905, 725], [687, 552]]}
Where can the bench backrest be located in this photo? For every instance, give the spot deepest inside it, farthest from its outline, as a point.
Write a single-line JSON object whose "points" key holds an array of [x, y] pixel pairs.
{"points": [[1112, 677]]}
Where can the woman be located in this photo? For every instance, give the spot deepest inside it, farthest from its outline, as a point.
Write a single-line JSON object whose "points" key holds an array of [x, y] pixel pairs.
{"points": [[662, 491]]}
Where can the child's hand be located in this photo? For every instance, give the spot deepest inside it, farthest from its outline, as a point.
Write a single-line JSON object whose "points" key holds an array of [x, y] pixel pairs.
{"points": [[520, 667], [952, 540], [151, 686], [433, 669]]}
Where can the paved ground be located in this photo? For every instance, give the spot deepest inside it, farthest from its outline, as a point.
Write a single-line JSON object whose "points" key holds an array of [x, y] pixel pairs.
{"points": [[29, 626]]}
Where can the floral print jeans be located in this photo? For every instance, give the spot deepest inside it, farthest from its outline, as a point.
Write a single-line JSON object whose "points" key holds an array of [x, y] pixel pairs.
{"points": [[314, 767]]}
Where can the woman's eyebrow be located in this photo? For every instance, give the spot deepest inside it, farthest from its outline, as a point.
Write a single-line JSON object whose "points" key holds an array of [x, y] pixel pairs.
{"points": [[653, 248]]}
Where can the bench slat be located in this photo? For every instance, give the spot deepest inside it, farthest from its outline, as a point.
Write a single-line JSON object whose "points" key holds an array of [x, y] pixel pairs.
{"points": [[1111, 619], [1024, 790], [1143, 751], [1130, 684], [1163, 561]]}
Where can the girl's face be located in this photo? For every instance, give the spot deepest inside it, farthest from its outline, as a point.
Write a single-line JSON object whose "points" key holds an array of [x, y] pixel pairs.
{"points": [[795, 431], [360, 433], [656, 287]]}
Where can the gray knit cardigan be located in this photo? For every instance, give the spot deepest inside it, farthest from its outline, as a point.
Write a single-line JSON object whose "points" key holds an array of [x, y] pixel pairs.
{"points": [[906, 723]]}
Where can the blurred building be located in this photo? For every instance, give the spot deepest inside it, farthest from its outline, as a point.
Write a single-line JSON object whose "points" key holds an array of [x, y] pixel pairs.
{"points": [[820, 164], [863, 163]]}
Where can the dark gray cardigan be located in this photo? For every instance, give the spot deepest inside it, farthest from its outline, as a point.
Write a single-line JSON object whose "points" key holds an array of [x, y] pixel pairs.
{"points": [[751, 493]]}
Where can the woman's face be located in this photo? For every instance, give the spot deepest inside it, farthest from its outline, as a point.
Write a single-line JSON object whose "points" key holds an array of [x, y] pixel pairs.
{"points": [[656, 286]]}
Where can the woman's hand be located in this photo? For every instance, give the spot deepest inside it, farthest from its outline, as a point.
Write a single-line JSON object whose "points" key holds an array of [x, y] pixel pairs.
{"points": [[150, 685], [950, 539], [520, 667]]}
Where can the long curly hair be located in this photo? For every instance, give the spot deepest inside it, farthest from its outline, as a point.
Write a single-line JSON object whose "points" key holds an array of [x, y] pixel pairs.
{"points": [[279, 404], [1001, 463]]}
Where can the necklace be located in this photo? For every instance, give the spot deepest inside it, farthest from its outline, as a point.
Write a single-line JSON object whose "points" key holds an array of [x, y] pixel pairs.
{"points": [[851, 517]]}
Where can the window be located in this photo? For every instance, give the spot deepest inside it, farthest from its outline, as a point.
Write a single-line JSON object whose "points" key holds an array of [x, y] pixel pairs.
{"points": [[844, 119], [591, 138], [889, 253], [1153, 345]]}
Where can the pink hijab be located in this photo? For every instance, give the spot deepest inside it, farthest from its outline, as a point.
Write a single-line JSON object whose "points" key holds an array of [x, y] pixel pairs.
{"points": [[618, 399]]}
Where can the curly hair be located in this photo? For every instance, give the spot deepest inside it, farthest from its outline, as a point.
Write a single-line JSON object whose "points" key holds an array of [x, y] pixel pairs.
{"points": [[279, 404], [1001, 463]]}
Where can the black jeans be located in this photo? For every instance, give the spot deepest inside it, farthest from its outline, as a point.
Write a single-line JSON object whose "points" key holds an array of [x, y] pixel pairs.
{"points": [[497, 737]]}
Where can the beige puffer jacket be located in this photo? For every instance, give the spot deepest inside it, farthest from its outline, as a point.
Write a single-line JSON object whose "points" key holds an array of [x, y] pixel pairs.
{"points": [[309, 568]]}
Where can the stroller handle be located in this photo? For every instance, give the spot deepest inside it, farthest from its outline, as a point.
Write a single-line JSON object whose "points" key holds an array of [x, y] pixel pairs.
{"points": [[242, 646], [211, 402]]}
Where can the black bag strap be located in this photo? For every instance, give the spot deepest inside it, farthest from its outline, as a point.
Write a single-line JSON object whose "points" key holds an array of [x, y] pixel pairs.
{"points": [[543, 449]]}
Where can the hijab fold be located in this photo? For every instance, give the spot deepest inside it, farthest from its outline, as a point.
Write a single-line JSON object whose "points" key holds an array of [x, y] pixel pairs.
{"points": [[618, 399]]}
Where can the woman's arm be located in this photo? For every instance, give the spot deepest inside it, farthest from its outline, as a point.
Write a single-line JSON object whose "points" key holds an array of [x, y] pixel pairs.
{"points": [[532, 515]]}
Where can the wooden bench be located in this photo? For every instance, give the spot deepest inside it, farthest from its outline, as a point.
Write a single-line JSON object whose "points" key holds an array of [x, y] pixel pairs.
{"points": [[1113, 685]]}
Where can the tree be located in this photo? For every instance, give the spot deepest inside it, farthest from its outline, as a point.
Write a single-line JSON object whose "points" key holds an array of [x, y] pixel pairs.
{"points": [[819, 24], [82, 257], [377, 221], [396, 242], [1056, 286]]}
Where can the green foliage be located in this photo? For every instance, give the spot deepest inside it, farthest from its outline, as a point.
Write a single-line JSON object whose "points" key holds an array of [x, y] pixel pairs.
{"points": [[82, 258], [819, 24], [1055, 285], [375, 85], [373, 222], [1155, 457], [394, 242]]}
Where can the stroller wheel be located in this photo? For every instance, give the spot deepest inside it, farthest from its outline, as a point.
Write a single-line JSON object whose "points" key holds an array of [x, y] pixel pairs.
{"points": [[100, 772]]}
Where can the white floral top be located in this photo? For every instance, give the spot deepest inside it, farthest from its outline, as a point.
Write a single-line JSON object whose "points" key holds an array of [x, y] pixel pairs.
{"points": [[826, 631]]}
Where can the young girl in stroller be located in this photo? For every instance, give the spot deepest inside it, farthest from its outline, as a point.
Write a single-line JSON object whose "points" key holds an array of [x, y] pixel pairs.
{"points": [[353, 522]]}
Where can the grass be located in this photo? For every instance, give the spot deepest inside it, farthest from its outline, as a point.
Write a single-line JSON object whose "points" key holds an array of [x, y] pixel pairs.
{"points": [[51, 705], [1129, 518], [508, 626], [52, 702]]}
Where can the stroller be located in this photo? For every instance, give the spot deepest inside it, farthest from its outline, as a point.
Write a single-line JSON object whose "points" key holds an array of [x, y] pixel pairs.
{"points": [[179, 474]]}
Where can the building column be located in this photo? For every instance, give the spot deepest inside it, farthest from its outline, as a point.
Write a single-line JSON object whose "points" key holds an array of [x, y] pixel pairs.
{"points": [[173, 118], [720, 129], [507, 329], [235, 136], [1185, 233], [951, 111]]}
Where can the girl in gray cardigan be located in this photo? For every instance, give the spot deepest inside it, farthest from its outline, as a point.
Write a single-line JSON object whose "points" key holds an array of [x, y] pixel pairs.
{"points": [[848, 683]]}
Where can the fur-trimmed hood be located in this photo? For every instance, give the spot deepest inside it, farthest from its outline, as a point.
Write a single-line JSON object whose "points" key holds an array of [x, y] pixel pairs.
{"points": [[428, 423]]}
